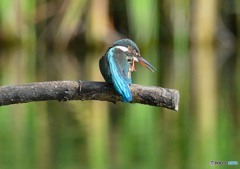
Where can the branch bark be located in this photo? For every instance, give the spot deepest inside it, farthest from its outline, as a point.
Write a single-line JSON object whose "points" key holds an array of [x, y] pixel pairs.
{"points": [[86, 90]]}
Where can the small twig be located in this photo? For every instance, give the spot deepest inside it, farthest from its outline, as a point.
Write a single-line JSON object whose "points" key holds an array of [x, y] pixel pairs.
{"points": [[85, 90]]}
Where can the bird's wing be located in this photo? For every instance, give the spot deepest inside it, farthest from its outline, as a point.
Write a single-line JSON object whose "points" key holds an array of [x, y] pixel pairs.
{"points": [[119, 68], [104, 68]]}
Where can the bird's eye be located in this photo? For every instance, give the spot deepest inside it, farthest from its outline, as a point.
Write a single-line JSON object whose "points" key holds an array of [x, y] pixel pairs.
{"points": [[135, 52]]}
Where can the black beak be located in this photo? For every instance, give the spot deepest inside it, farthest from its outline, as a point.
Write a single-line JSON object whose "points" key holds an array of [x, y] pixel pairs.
{"points": [[145, 63]]}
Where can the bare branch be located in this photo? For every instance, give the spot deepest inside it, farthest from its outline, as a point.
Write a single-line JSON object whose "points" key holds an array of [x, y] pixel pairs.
{"points": [[86, 90]]}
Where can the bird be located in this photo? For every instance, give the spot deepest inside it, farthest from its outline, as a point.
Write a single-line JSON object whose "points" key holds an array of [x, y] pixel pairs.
{"points": [[117, 64]]}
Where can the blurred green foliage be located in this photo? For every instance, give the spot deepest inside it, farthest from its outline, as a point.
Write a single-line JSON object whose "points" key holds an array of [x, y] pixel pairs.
{"points": [[193, 44]]}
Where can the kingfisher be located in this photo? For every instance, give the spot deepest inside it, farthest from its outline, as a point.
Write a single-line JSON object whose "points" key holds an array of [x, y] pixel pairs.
{"points": [[117, 64]]}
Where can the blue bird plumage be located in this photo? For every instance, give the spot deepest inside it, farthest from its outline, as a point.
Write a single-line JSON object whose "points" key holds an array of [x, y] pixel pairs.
{"points": [[119, 75], [118, 63]]}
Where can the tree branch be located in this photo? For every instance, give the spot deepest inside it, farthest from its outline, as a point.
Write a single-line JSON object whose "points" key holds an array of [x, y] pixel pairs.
{"points": [[86, 90]]}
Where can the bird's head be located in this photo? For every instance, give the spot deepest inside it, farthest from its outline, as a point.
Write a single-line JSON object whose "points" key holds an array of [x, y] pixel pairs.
{"points": [[133, 53]]}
